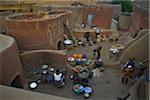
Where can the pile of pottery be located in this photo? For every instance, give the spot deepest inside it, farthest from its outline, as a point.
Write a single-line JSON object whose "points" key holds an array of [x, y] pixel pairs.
{"points": [[44, 76], [80, 89], [79, 59]]}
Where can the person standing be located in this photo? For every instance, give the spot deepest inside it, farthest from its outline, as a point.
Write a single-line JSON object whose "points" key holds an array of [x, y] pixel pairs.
{"points": [[87, 37], [98, 51]]}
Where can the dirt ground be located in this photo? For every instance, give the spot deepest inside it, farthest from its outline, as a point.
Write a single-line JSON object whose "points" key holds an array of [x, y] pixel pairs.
{"points": [[106, 87]]}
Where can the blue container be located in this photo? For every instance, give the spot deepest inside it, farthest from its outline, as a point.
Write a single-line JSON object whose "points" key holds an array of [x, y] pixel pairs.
{"points": [[84, 55], [50, 79]]}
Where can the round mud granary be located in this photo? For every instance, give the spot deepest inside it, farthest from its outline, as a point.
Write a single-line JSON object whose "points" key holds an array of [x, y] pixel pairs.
{"points": [[42, 30]]}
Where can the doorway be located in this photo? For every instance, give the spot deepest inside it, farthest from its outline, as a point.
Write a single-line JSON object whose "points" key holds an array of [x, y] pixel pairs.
{"points": [[90, 18], [59, 45]]}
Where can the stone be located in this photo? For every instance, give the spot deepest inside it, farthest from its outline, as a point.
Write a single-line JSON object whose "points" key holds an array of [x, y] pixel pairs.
{"points": [[123, 95]]}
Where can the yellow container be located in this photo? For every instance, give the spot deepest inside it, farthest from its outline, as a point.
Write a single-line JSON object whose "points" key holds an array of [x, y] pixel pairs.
{"points": [[80, 56]]}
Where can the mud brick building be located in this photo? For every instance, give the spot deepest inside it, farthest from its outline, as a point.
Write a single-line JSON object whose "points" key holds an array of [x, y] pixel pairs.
{"points": [[34, 31], [102, 15], [140, 17]]}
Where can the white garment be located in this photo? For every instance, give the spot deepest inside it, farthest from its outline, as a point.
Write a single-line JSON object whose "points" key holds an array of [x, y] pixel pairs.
{"points": [[57, 77]]}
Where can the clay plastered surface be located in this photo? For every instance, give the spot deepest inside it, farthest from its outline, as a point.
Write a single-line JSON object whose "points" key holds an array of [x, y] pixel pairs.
{"points": [[5, 42]]}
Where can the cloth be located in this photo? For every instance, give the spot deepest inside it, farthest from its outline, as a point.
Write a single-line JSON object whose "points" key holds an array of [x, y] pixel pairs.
{"points": [[131, 63], [50, 78]]}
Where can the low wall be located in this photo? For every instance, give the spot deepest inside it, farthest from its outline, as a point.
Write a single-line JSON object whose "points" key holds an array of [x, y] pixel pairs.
{"points": [[10, 64], [138, 48], [3, 15], [56, 59], [9, 93]]}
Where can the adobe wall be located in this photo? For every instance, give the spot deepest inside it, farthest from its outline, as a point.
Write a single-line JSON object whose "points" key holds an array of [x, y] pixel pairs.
{"points": [[103, 14], [10, 64], [140, 19], [41, 7], [38, 30], [139, 48], [76, 15], [3, 20], [56, 59], [10, 93]]}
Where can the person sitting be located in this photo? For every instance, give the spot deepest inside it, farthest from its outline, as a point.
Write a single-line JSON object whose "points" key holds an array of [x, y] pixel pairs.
{"points": [[59, 78]]}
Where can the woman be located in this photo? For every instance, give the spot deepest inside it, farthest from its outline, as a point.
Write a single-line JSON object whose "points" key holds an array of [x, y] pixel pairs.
{"points": [[59, 78]]}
